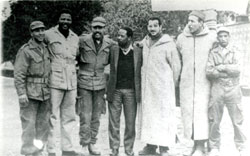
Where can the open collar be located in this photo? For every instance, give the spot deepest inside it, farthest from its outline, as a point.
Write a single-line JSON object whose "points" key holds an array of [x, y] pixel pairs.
{"points": [[71, 34], [164, 39], [90, 42], [126, 51]]}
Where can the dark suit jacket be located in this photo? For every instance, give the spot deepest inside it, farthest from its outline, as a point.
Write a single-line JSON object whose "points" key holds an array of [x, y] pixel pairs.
{"points": [[114, 58]]}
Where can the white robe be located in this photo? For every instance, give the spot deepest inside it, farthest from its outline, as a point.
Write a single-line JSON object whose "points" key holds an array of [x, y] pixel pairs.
{"points": [[160, 71]]}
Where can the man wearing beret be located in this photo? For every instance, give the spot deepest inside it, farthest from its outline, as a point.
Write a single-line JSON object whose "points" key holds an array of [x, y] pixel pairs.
{"points": [[63, 45], [194, 44], [31, 72], [94, 56], [223, 70]]}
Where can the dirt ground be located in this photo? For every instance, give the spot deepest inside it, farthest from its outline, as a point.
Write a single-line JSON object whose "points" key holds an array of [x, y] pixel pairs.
{"points": [[10, 128]]}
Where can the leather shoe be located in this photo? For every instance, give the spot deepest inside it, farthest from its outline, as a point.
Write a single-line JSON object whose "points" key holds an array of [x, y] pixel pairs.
{"points": [[39, 153], [149, 150], [131, 153], [70, 153], [51, 154], [93, 150], [115, 152]]}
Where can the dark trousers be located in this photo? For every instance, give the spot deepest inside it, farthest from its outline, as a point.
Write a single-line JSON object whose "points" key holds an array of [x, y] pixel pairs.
{"points": [[125, 98], [231, 98], [35, 124], [90, 103]]}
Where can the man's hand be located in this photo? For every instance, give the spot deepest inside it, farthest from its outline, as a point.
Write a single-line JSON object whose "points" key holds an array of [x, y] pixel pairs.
{"points": [[23, 100], [138, 44], [221, 67]]}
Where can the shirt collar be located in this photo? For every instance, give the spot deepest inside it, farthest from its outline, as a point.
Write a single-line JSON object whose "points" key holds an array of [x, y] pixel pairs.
{"points": [[34, 45], [227, 49], [57, 31], [126, 51]]}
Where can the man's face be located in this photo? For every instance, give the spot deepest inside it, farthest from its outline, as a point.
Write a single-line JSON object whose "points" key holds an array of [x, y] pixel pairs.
{"points": [[194, 25], [98, 32], [38, 34], [154, 28], [65, 21], [122, 38], [223, 38]]}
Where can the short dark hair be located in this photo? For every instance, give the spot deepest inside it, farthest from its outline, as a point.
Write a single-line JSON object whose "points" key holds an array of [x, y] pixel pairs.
{"points": [[129, 31], [155, 18], [64, 11]]}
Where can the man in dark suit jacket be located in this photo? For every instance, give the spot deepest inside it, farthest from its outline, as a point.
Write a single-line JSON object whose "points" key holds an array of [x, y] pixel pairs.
{"points": [[123, 90]]}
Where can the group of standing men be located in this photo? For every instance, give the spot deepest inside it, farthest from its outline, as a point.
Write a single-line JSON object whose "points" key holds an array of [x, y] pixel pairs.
{"points": [[142, 76]]}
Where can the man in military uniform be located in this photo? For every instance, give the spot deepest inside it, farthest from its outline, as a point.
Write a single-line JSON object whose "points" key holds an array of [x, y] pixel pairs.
{"points": [[31, 72], [63, 46], [223, 70], [94, 56]]}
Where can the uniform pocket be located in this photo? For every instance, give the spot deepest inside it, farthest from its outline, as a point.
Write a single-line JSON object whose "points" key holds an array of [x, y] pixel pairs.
{"points": [[87, 55], [105, 56], [36, 66], [56, 77], [34, 90], [56, 47]]}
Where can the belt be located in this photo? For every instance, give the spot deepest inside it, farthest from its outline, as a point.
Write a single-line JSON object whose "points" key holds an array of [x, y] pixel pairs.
{"points": [[91, 73], [64, 61], [37, 80]]}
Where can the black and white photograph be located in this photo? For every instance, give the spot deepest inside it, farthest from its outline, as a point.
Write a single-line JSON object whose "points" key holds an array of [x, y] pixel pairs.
{"points": [[125, 78]]}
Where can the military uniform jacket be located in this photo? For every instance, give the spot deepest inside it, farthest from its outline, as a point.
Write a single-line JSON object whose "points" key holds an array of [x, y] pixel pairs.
{"points": [[31, 71], [231, 73], [63, 53], [92, 63]]}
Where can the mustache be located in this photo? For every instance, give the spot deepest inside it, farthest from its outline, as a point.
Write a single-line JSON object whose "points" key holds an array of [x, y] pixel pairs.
{"points": [[97, 33], [61, 25]]}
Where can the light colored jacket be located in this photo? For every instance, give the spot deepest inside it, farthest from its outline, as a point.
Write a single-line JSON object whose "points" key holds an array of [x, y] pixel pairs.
{"points": [[31, 71], [160, 71], [63, 52], [230, 74], [194, 86]]}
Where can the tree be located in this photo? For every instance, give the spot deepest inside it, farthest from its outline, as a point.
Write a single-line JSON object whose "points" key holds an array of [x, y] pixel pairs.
{"points": [[135, 13], [16, 26]]}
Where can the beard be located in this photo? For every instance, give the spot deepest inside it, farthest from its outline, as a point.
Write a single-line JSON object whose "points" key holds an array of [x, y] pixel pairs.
{"points": [[64, 26], [97, 38], [154, 37], [122, 44]]}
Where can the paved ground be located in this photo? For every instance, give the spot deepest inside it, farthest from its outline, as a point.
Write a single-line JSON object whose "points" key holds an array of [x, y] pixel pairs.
{"points": [[10, 131]]}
